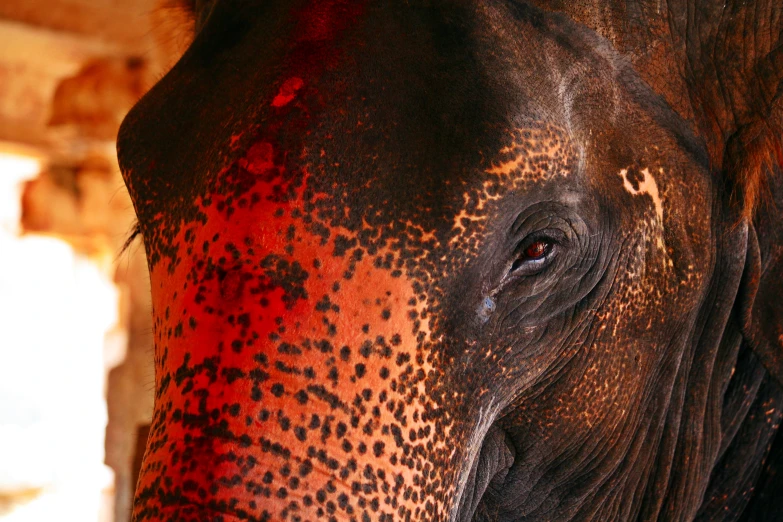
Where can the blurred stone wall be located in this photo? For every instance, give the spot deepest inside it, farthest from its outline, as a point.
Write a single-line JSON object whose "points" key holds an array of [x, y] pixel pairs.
{"points": [[69, 72]]}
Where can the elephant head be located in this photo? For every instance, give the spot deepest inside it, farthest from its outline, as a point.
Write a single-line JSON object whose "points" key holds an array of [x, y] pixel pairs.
{"points": [[443, 261]]}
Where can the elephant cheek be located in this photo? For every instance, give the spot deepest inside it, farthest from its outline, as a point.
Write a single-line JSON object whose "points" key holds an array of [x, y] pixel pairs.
{"points": [[292, 377]]}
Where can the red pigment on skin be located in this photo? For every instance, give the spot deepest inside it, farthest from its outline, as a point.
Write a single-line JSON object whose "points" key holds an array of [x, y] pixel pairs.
{"points": [[259, 158], [235, 140], [287, 92], [232, 286], [324, 20], [185, 292], [320, 28]]}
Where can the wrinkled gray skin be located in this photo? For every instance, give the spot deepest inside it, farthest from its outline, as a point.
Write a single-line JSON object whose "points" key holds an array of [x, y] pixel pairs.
{"points": [[480, 260]]}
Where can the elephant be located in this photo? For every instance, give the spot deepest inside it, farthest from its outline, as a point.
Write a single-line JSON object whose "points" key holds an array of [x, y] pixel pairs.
{"points": [[475, 260]]}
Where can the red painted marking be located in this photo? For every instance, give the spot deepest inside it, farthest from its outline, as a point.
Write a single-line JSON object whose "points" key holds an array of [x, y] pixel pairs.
{"points": [[259, 231], [259, 158], [287, 92], [235, 140]]}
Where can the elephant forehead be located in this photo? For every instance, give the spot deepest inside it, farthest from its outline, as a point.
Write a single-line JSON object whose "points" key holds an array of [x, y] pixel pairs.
{"points": [[535, 153], [263, 247]]}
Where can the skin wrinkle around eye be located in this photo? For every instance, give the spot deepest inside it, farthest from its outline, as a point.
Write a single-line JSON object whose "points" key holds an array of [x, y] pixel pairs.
{"points": [[549, 209], [542, 228], [583, 294], [580, 335], [575, 241]]}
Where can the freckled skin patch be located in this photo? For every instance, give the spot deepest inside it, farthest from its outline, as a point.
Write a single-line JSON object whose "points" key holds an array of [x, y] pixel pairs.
{"points": [[271, 332], [638, 182], [644, 186], [343, 309], [536, 154]]}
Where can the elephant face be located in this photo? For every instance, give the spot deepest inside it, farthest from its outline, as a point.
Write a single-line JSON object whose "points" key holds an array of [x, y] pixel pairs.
{"points": [[444, 262]]}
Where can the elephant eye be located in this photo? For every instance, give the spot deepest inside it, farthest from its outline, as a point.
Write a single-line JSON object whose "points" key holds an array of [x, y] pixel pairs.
{"points": [[533, 257], [537, 250]]}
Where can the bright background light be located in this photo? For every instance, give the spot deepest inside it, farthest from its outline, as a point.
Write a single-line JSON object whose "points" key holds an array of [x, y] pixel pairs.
{"points": [[57, 309], [14, 170], [69, 352]]}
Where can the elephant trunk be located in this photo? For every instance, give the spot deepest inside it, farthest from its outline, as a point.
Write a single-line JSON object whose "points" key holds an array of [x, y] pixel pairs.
{"points": [[289, 387]]}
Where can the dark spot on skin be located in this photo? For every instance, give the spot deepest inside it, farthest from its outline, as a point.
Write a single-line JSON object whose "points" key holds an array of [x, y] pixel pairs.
{"points": [[634, 176], [258, 375], [232, 374], [255, 394], [305, 468], [342, 244], [377, 449], [288, 349], [324, 346]]}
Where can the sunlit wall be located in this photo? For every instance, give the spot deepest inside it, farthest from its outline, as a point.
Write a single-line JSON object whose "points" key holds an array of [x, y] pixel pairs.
{"points": [[58, 309]]}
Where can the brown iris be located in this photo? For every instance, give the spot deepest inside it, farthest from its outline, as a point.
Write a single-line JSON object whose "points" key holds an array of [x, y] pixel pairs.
{"points": [[531, 259], [536, 250]]}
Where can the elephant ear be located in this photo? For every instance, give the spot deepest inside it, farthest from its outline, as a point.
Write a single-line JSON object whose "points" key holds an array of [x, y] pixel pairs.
{"points": [[761, 302]]}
